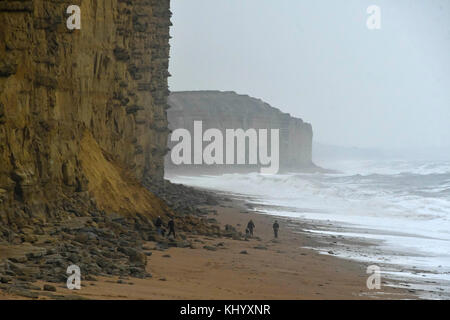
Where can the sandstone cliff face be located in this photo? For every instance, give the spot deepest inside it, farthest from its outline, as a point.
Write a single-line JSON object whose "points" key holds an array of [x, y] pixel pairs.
{"points": [[75, 102], [228, 110]]}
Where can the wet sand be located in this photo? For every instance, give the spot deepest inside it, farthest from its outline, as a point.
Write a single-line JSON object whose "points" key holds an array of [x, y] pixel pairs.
{"points": [[270, 269]]}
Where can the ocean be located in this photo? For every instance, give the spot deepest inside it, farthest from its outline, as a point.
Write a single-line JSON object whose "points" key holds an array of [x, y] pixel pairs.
{"points": [[399, 209]]}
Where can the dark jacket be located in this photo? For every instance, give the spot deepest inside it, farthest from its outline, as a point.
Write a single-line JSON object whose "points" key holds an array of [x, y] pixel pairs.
{"points": [[276, 226], [158, 222], [171, 225]]}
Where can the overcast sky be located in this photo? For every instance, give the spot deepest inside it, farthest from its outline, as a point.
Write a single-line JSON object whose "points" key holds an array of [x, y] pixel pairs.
{"points": [[317, 60]]}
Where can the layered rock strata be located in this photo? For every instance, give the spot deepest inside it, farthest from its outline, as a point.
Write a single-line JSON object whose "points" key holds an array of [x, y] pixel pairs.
{"points": [[228, 110], [82, 111]]}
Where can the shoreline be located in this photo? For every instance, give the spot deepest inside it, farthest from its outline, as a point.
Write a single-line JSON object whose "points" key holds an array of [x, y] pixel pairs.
{"points": [[223, 268], [329, 238], [408, 254]]}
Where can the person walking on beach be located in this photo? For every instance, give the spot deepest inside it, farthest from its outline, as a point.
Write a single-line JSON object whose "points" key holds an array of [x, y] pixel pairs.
{"points": [[158, 225], [275, 226], [250, 227], [171, 226]]}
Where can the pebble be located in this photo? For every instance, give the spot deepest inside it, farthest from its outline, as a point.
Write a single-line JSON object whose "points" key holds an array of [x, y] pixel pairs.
{"points": [[49, 287]]}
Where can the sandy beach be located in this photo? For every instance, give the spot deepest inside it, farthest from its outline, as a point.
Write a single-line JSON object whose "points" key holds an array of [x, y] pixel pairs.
{"points": [[139, 139], [223, 268]]}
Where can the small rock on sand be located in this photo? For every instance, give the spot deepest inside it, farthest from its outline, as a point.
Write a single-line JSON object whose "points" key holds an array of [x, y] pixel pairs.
{"points": [[261, 247], [49, 287]]}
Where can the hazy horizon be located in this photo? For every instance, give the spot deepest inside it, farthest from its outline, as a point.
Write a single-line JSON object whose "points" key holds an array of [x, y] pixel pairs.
{"points": [[386, 88]]}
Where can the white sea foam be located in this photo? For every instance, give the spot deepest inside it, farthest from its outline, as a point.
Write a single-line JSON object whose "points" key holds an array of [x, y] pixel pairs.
{"points": [[402, 206]]}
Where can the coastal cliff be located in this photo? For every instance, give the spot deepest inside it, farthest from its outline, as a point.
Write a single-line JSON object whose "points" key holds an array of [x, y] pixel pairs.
{"points": [[228, 110], [83, 134], [82, 112]]}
